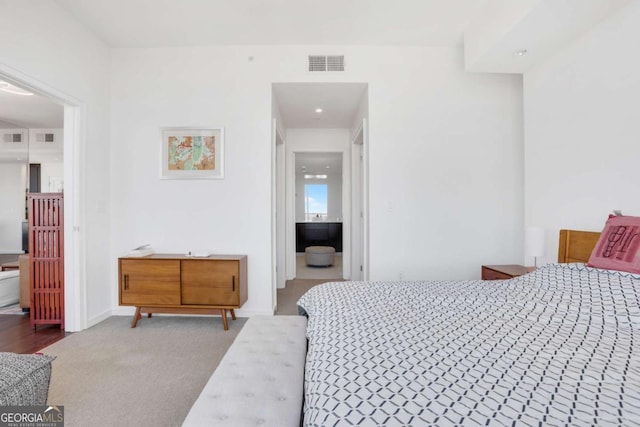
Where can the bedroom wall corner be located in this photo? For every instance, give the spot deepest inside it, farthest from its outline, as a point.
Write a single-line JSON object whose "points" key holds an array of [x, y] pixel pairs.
{"points": [[445, 171], [581, 130]]}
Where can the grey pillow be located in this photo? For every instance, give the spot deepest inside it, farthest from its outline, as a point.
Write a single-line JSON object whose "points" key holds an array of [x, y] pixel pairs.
{"points": [[24, 378]]}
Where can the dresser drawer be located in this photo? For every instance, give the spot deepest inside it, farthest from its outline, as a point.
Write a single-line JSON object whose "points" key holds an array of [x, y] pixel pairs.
{"points": [[488, 274], [211, 282], [149, 282]]}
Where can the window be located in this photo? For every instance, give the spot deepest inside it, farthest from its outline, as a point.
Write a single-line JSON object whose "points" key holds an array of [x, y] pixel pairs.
{"points": [[315, 202]]}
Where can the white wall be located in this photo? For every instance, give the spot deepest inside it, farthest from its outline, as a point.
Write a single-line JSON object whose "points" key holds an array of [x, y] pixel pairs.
{"points": [[49, 155], [277, 114], [445, 168], [6, 125], [317, 140], [14, 151], [40, 42], [40, 148], [445, 157], [13, 182], [361, 113], [50, 174], [582, 128]]}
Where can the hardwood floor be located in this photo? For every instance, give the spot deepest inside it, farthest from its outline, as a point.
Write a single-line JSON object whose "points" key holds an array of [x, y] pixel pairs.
{"points": [[17, 335]]}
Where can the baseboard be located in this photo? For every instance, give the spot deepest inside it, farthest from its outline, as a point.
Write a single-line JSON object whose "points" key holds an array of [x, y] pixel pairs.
{"points": [[250, 313], [123, 311], [99, 318]]}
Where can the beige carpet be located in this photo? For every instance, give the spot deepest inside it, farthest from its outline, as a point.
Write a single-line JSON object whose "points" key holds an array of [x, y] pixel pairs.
{"points": [[293, 290], [112, 375], [305, 272]]}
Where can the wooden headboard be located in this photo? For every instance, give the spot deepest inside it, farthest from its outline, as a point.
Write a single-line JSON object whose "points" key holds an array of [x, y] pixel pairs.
{"points": [[576, 246]]}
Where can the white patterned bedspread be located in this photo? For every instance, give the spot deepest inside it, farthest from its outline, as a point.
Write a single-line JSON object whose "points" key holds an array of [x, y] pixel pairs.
{"points": [[560, 346]]}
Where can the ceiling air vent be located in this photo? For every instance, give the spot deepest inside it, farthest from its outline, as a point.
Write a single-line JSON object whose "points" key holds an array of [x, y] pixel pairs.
{"points": [[44, 137], [326, 62], [12, 137]]}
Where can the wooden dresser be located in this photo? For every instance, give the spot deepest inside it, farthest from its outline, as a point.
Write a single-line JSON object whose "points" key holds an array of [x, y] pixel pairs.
{"points": [[169, 283]]}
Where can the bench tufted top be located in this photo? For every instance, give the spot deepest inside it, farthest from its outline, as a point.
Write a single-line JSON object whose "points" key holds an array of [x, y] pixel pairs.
{"points": [[259, 382]]}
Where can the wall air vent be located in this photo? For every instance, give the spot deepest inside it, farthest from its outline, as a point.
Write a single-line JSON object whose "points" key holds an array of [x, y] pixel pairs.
{"points": [[326, 62], [12, 137], [45, 137]]}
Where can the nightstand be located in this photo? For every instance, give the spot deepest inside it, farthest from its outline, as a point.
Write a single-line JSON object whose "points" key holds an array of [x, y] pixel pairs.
{"points": [[502, 272]]}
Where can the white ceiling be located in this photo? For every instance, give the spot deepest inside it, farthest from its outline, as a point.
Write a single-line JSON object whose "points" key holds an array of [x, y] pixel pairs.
{"points": [[298, 101], [316, 163], [539, 27], [18, 111], [162, 23]]}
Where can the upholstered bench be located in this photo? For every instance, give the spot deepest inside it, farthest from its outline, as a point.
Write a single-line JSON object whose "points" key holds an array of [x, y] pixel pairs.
{"points": [[24, 379], [320, 256], [260, 379]]}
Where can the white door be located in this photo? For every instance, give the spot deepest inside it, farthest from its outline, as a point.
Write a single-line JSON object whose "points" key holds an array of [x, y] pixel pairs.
{"points": [[357, 211], [280, 213]]}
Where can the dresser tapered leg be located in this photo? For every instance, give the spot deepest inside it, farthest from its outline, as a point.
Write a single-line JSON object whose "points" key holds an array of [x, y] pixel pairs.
{"points": [[136, 317], [225, 322]]}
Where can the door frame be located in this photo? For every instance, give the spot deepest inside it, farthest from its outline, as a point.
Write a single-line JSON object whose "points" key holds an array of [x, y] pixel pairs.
{"points": [[357, 211], [360, 202], [278, 259], [75, 292]]}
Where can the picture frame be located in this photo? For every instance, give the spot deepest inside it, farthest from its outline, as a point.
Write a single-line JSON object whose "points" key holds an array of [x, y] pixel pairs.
{"points": [[192, 153]]}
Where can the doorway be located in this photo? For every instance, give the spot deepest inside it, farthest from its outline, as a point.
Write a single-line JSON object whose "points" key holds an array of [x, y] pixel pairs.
{"points": [[317, 119], [60, 168], [318, 200]]}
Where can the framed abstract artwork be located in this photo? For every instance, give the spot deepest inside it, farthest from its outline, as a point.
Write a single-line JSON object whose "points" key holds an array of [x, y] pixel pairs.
{"points": [[192, 153]]}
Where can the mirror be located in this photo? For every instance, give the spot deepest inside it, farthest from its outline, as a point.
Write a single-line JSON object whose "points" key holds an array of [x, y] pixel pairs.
{"points": [[14, 161]]}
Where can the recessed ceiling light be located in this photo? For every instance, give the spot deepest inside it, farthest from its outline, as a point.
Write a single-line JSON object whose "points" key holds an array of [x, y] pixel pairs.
{"points": [[8, 87], [318, 110], [522, 52], [328, 167], [315, 177]]}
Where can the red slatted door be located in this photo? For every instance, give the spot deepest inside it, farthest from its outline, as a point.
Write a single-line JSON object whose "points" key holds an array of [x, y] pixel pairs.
{"points": [[46, 256]]}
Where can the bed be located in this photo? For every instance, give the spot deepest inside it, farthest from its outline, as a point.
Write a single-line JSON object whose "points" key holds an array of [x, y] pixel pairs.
{"points": [[558, 346]]}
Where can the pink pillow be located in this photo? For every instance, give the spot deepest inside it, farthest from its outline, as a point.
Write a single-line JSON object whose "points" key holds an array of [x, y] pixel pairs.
{"points": [[618, 246]]}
